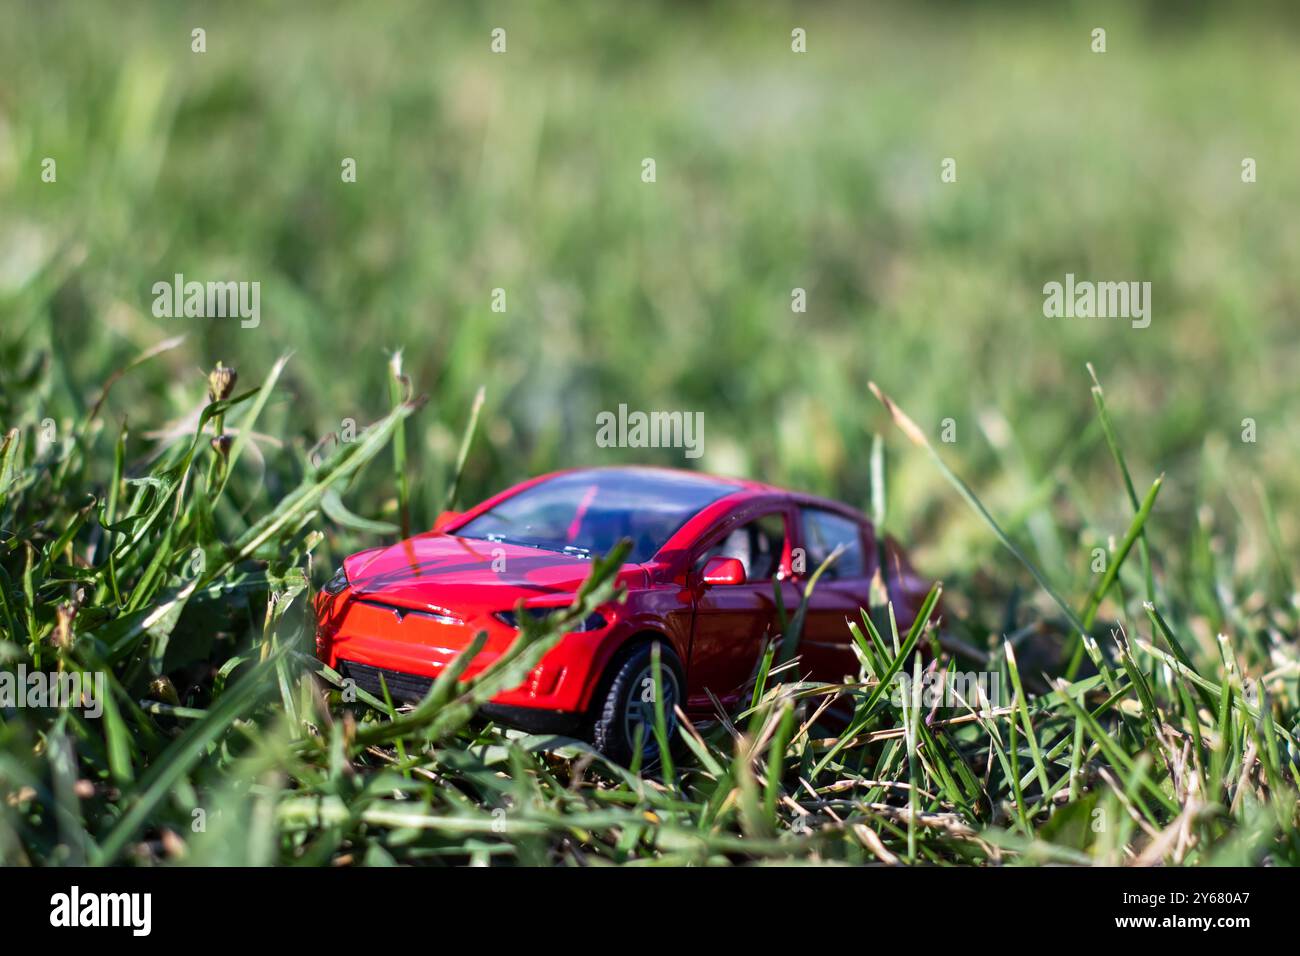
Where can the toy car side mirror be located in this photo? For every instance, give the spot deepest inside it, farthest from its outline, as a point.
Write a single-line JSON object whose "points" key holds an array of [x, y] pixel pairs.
{"points": [[722, 570], [446, 518]]}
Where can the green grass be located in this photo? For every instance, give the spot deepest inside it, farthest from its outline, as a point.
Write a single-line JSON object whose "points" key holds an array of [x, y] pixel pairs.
{"points": [[172, 542]]}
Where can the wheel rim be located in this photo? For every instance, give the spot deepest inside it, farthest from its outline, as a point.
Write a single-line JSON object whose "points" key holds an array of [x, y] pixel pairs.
{"points": [[640, 711]]}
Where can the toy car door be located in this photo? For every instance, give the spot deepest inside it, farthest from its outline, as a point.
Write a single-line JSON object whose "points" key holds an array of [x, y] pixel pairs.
{"points": [[733, 621]]}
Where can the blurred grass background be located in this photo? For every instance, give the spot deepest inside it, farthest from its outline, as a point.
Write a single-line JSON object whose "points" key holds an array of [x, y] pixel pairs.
{"points": [[522, 171], [775, 171]]}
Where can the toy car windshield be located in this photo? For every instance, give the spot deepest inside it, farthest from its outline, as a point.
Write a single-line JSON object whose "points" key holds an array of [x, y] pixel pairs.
{"points": [[588, 512]]}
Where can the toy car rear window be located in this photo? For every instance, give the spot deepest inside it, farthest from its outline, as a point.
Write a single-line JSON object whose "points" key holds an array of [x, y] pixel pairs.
{"points": [[585, 513]]}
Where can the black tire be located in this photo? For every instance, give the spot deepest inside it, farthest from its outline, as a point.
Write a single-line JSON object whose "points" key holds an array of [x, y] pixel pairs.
{"points": [[625, 688]]}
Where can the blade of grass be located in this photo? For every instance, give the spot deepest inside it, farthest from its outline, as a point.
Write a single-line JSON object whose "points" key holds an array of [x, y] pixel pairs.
{"points": [[917, 437], [1112, 441], [462, 455]]}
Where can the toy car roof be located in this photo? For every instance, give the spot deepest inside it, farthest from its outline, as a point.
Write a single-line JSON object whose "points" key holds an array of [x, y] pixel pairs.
{"points": [[733, 486]]}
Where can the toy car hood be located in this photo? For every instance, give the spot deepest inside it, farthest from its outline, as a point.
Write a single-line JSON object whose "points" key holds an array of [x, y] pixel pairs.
{"points": [[433, 571]]}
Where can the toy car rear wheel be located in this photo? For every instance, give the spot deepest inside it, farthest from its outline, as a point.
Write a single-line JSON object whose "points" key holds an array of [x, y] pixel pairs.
{"points": [[628, 703]]}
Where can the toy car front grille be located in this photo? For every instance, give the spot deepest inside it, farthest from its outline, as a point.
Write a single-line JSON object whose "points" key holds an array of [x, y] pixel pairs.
{"points": [[401, 687]]}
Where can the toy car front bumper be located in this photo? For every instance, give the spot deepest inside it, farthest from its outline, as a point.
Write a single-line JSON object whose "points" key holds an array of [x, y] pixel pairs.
{"points": [[363, 640]]}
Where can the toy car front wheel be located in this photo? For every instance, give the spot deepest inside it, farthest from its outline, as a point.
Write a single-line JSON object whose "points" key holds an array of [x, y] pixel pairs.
{"points": [[625, 714]]}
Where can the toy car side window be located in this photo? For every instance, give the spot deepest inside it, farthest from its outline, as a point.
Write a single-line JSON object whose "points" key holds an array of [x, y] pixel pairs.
{"points": [[823, 532], [758, 545]]}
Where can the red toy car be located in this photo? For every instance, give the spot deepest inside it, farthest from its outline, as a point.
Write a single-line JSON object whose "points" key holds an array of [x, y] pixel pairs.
{"points": [[698, 579]]}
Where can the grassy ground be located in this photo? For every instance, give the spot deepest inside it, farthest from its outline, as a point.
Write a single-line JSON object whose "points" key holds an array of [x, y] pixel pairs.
{"points": [[132, 544]]}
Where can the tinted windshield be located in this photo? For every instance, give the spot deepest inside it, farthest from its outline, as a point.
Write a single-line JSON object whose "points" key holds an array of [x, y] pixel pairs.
{"points": [[588, 512]]}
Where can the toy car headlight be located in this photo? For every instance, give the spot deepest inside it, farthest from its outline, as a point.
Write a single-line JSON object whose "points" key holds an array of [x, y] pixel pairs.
{"points": [[336, 584], [592, 622]]}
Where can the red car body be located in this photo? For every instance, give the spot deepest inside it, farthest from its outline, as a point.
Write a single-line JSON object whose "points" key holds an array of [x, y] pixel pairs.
{"points": [[408, 609]]}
